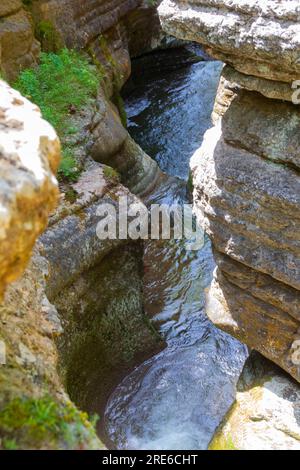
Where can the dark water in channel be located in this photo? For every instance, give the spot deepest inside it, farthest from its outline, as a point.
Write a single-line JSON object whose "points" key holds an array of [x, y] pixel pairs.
{"points": [[176, 399]]}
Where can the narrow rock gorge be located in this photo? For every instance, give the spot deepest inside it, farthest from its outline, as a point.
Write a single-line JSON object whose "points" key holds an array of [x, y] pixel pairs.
{"points": [[148, 335]]}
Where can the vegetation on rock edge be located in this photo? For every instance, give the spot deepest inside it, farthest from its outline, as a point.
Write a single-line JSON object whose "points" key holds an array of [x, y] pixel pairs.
{"points": [[43, 423], [61, 85]]}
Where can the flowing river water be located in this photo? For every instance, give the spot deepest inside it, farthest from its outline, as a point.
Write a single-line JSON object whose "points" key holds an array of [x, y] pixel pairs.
{"points": [[176, 399]]}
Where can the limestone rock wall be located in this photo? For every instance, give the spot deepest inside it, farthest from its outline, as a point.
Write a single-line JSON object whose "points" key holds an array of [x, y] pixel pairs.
{"points": [[110, 30], [77, 22], [61, 321], [29, 377], [247, 173], [29, 157], [96, 287], [257, 38]]}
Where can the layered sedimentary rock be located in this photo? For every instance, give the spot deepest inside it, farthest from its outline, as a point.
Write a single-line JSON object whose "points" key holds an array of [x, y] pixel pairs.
{"points": [[61, 321], [247, 172], [80, 296], [111, 31], [247, 190], [256, 38], [96, 287], [269, 88], [18, 47], [29, 157], [105, 30]]}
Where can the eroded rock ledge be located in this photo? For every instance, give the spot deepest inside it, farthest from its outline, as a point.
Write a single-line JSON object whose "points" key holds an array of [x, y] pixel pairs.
{"points": [[247, 172]]}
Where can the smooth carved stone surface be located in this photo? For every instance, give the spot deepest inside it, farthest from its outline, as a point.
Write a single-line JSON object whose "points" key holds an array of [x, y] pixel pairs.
{"points": [[76, 230], [265, 127], [139, 171], [111, 145], [108, 133], [256, 38], [266, 414], [104, 318], [268, 88], [29, 157], [18, 47], [250, 207]]}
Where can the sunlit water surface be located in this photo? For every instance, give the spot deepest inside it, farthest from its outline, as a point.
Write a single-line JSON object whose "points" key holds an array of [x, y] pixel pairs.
{"points": [[176, 399]]}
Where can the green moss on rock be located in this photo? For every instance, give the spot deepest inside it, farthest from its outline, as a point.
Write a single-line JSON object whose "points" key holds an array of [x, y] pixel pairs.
{"points": [[48, 36], [42, 423]]}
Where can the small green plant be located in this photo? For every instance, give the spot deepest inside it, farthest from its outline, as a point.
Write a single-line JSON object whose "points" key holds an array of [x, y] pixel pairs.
{"points": [[68, 167], [71, 195], [48, 36], [111, 174], [36, 422], [9, 444], [61, 85]]}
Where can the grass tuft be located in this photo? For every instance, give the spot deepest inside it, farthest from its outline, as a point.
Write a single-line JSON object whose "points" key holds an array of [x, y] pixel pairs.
{"points": [[36, 423], [61, 85]]}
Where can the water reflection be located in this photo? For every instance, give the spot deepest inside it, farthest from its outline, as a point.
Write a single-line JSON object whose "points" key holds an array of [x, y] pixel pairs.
{"points": [[176, 399]]}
